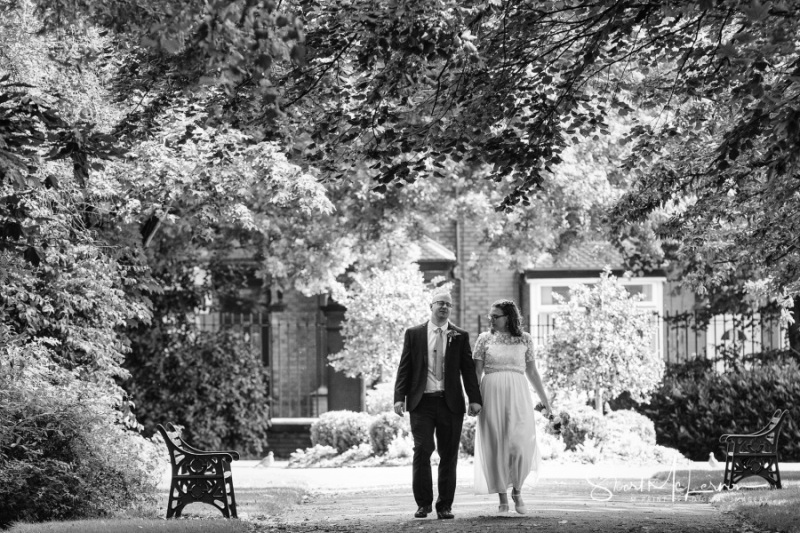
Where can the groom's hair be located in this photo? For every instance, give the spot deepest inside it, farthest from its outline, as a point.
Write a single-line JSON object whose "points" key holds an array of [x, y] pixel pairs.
{"points": [[440, 295]]}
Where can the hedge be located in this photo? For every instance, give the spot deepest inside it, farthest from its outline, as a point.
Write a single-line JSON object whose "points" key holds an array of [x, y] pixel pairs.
{"points": [[214, 384], [695, 405]]}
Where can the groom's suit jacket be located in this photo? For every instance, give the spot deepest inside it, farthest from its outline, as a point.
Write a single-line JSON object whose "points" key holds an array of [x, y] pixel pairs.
{"points": [[412, 374]]}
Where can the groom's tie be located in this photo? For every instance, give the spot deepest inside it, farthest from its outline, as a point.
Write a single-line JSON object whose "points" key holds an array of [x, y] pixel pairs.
{"points": [[438, 350]]}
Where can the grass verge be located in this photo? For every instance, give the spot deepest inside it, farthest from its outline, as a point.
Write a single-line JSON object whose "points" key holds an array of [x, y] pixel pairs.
{"points": [[136, 525], [773, 510], [251, 504], [752, 500]]}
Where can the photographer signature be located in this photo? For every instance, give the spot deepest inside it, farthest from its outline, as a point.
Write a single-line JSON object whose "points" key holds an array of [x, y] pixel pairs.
{"points": [[604, 489]]}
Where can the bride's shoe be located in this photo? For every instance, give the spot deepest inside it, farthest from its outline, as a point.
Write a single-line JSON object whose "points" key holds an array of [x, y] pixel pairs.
{"points": [[502, 508], [519, 505]]}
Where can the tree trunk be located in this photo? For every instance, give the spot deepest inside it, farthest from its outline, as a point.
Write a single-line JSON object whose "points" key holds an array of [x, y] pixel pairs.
{"points": [[598, 399], [794, 329]]}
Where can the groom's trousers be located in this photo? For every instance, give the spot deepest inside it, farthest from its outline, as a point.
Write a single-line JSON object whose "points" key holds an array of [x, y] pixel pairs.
{"points": [[433, 417]]}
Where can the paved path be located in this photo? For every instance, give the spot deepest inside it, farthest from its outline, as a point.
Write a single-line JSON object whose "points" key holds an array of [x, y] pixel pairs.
{"points": [[567, 498]]}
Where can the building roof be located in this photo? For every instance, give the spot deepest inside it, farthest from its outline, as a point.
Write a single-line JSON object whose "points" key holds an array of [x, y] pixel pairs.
{"points": [[583, 258], [434, 252]]}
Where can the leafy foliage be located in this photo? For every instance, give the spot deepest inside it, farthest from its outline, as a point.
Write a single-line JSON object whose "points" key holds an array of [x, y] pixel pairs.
{"points": [[581, 424], [63, 451], [696, 405], [602, 342], [407, 90], [80, 183], [380, 398], [211, 383], [386, 427], [341, 430], [467, 441], [720, 165], [381, 305]]}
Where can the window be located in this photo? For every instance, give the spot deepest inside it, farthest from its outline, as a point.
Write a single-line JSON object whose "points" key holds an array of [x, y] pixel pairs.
{"points": [[544, 305], [548, 292], [645, 290]]}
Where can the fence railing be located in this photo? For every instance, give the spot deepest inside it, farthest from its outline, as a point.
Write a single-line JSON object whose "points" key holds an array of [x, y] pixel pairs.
{"points": [[725, 339], [289, 350]]}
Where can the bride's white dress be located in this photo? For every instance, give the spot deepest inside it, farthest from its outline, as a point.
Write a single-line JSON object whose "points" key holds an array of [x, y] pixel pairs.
{"points": [[506, 451]]}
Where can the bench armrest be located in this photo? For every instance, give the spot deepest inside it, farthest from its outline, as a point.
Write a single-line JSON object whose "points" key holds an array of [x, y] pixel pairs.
{"points": [[172, 437], [223, 455], [191, 449], [730, 436]]}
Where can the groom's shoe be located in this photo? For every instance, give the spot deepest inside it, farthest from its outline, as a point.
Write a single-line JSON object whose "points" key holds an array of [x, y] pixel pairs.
{"points": [[423, 511], [446, 514]]}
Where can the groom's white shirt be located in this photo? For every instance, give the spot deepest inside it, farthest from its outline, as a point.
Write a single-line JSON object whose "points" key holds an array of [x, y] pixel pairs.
{"points": [[433, 385]]}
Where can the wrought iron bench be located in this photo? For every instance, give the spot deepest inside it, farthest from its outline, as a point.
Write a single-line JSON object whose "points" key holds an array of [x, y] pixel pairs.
{"points": [[755, 454], [198, 476]]}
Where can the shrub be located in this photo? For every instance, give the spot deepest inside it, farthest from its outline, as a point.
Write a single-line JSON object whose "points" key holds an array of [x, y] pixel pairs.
{"points": [[329, 457], [468, 435], [550, 446], [580, 424], [384, 428], [401, 447], [312, 456], [589, 451], [211, 383], [695, 405], [341, 429], [64, 453], [380, 399], [621, 423]]}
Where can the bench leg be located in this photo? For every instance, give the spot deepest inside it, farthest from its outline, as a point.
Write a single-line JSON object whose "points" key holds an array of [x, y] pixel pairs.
{"points": [[174, 507], [744, 467], [727, 477], [777, 475], [229, 483], [218, 493]]}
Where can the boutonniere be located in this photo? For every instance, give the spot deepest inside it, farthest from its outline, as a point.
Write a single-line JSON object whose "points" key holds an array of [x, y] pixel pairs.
{"points": [[451, 334]]}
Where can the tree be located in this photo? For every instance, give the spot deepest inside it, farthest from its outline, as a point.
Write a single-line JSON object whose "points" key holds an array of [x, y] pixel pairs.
{"points": [[718, 172], [74, 197], [602, 343], [75, 265], [402, 90], [510, 85], [381, 305], [388, 93]]}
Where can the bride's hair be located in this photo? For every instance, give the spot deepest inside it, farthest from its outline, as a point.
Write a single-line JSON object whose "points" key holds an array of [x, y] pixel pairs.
{"points": [[513, 316]]}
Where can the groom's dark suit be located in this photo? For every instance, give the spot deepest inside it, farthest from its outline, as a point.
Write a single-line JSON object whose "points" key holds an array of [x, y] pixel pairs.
{"points": [[442, 415]]}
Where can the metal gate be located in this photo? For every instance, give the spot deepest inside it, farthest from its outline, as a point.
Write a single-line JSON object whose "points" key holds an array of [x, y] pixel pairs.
{"points": [[291, 350]]}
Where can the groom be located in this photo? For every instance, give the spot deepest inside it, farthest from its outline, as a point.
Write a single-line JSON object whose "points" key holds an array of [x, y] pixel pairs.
{"points": [[436, 357]]}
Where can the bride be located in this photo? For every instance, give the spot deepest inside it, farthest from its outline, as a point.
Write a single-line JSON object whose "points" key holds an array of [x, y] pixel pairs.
{"points": [[506, 450]]}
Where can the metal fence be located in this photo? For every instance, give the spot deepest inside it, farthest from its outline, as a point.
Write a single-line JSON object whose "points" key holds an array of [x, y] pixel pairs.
{"points": [[725, 339], [290, 350]]}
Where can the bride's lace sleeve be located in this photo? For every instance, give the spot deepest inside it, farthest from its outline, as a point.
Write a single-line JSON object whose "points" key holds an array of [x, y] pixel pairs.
{"points": [[479, 352], [528, 340]]}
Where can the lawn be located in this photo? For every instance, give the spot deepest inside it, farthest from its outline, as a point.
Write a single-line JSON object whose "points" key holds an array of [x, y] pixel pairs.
{"points": [[751, 499], [773, 510], [252, 504], [136, 525]]}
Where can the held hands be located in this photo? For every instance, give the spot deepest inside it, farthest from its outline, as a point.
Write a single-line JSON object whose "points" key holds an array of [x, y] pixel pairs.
{"points": [[474, 408]]}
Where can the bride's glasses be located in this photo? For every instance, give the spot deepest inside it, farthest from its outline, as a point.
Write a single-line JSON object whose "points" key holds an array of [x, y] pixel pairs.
{"points": [[495, 317]]}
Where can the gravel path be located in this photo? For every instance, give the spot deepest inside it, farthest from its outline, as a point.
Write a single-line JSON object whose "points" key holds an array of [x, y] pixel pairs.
{"points": [[566, 499]]}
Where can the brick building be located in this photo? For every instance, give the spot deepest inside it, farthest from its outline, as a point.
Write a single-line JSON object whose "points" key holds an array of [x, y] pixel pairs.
{"points": [[296, 333]]}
